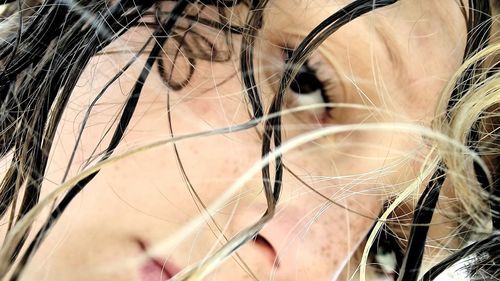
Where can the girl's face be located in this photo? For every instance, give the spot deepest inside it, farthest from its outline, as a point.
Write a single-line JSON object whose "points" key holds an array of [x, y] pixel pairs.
{"points": [[388, 67]]}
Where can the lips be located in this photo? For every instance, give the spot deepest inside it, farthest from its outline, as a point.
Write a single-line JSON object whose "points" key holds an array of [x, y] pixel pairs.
{"points": [[156, 269], [159, 269]]}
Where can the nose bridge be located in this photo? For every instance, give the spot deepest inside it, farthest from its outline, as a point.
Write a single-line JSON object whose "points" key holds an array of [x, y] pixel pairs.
{"points": [[214, 95]]}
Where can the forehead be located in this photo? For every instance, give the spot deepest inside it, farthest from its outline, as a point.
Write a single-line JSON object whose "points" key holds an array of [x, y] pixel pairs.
{"points": [[408, 28], [420, 17]]}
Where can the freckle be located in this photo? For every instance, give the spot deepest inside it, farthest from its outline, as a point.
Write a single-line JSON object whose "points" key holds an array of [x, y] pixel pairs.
{"points": [[325, 251]]}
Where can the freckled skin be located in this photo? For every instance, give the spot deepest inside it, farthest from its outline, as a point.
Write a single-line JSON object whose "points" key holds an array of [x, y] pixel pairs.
{"points": [[146, 197]]}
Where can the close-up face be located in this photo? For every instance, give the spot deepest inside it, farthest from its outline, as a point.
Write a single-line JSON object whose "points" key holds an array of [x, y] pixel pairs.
{"points": [[375, 84]]}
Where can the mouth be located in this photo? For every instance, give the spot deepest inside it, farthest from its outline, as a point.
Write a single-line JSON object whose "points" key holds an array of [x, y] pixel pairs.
{"points": [[159, 269], [156, 269]]}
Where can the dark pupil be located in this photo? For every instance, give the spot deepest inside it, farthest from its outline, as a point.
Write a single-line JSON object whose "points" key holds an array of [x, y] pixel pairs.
{"points": [[306, 81]]}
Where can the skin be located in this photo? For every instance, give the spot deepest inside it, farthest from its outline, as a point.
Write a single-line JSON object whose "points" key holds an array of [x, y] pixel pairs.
{"points": [[145, 198]]}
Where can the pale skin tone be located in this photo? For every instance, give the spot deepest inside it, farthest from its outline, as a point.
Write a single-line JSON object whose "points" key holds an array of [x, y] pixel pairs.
{"points": [[145, 198]]}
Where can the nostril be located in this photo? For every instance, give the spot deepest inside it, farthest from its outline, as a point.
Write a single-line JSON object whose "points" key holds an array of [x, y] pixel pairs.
{"points": [[261, 242]]}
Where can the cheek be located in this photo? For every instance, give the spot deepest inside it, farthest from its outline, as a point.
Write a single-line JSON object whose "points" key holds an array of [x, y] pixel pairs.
{"points": [[438, 32]]}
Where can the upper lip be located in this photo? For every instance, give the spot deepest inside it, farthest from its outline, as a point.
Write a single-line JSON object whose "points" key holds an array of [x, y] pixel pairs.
{"points": [[265, 242], [167, 267]]}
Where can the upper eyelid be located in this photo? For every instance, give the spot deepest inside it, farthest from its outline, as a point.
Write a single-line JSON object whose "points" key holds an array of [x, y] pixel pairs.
{"points": [[326, 72], [311, 57], [317, 61]]}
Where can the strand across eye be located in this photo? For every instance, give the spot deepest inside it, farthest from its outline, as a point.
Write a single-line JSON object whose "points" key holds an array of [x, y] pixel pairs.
{"points": [[307, 88]]}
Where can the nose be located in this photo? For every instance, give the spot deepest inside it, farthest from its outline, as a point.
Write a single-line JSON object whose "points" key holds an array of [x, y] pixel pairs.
{"points": [[268, 249], [307, 243], [295, 244], [291, 246]]}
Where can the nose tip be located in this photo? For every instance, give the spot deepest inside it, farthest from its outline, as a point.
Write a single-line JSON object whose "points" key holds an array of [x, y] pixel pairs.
{"points": [[282, 242], [293, 247]]}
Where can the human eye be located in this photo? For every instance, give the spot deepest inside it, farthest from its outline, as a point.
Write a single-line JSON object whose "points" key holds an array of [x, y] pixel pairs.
{"points": [[314, 88]]}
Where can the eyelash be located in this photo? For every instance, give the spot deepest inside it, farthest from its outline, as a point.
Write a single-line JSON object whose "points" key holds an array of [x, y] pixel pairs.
{"points": [[314, 93]]}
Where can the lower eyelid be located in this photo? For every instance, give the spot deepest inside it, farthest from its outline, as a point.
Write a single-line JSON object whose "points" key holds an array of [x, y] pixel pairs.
{"points": [[311, 107]]}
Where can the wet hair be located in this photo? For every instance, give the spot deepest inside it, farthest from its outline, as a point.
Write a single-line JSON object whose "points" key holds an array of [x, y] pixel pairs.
{"points": [[47, 45]]}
